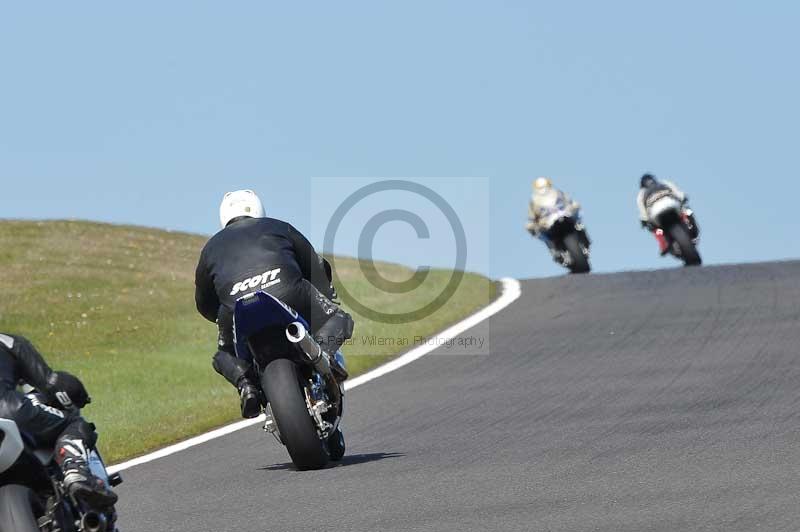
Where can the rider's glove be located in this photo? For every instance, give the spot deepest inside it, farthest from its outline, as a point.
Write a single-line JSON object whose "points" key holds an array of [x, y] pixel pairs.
{"points": [[67, 390]]}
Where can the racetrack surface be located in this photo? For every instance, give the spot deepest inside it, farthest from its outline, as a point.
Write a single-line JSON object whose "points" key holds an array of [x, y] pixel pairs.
{"points": [[665, 400]]}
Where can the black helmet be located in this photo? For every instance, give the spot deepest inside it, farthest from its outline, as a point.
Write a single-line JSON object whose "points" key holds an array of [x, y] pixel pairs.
{"points": [[648, 180]]}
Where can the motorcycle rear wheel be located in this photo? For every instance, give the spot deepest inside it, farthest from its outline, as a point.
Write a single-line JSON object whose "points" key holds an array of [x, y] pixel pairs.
{"points": [[284, 391], [689, 253], [580, 263], [16, 509]]}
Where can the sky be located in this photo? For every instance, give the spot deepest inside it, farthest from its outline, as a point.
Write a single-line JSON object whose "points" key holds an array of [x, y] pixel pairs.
{"points": [[147, 112]]}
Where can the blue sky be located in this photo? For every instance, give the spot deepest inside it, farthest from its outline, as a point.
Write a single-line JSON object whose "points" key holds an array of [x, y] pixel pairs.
{"points": [[147, 112]]}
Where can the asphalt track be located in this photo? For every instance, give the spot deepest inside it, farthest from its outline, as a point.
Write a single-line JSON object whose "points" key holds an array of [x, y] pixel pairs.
{"points": [[665, 400]]}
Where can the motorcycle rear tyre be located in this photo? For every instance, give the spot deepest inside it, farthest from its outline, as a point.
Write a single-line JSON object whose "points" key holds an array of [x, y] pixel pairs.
{"points": [[285, 395], [580, 263], [689, 253]]}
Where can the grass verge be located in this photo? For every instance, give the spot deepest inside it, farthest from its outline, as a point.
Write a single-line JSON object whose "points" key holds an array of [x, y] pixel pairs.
{"points": [[115, 305]]}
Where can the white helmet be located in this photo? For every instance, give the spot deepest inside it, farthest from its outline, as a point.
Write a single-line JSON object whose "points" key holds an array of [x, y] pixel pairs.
{"points": [[240, 203], [542, 185]]}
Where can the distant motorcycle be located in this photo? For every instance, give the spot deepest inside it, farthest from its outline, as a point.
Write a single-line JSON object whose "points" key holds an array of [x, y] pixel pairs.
{"points": [[302, 385], [565, 236], [675, 223], [32, 496]]}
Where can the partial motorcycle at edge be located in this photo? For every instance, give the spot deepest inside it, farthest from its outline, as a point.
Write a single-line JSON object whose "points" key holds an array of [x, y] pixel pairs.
{"points": [[32, 495]]}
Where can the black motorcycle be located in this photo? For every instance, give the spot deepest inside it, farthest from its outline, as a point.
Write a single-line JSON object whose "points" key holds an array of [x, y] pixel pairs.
{"points": [[32, 495], [566, 237], [675, 223], [302, 385]]}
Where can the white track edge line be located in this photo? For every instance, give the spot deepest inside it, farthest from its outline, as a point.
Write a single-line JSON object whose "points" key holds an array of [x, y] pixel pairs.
{"points": [[512, 290]]}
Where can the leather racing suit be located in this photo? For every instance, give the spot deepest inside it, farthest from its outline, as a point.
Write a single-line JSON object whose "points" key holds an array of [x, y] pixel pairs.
{"points": [[44, 425], [265, 254]]}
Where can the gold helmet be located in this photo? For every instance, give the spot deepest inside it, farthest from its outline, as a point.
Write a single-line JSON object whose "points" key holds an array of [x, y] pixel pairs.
{"points": [[542, 185]]}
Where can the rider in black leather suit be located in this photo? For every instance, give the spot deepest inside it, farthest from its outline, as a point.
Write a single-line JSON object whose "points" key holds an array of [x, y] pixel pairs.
{"points": [[62, 428], [253, 253]]}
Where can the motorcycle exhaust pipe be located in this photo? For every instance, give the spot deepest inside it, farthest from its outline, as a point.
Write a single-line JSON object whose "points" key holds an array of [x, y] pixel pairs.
{"points": [[94, 522], [297, 334]]}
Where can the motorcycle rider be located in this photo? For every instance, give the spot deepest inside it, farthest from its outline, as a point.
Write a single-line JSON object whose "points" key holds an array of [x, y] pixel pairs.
{"points": [[252, 253], [648, 186], [62, 428], [545, 196]]}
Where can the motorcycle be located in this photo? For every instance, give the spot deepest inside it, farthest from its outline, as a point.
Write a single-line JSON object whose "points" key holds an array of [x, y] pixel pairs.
{"points": [[566, 236], [302, 386], [676, 225], [32, 495]]}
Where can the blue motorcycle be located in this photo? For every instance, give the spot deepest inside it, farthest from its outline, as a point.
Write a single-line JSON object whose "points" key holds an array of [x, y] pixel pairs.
{"points": [[302, 385]]}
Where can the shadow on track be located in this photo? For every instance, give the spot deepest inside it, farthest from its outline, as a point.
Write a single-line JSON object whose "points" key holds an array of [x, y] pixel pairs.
{"points": [[356, 459]]}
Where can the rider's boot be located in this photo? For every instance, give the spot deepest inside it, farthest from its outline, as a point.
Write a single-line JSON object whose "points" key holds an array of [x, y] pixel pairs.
{"points": [[332, 335], [663, 245], [250, 397], [339, 366], [78, 478]]}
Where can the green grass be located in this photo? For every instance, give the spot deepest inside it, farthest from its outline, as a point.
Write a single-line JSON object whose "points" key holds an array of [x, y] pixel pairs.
{"points": [[115, 305]]}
